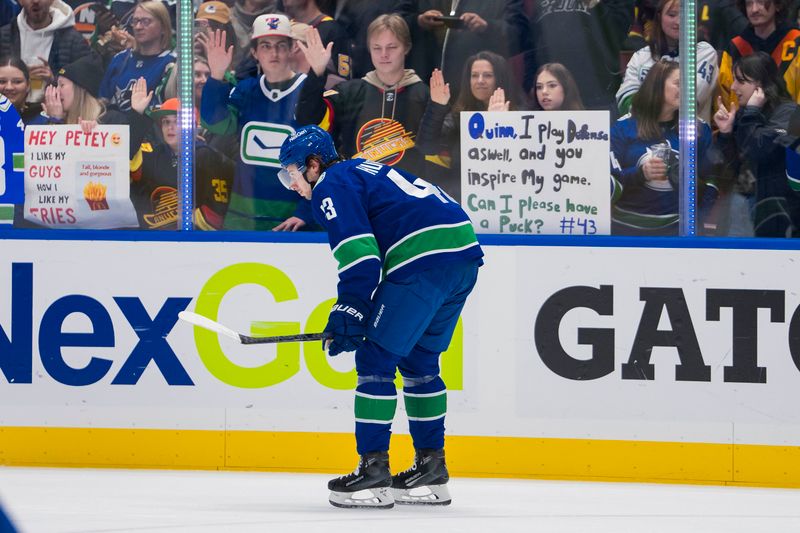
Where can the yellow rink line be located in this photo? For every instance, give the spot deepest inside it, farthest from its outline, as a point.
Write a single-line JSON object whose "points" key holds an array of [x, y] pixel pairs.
{"points": [[508, 457]]}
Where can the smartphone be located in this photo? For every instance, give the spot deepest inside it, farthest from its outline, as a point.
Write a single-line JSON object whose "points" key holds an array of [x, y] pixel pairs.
{"points": [[201, 25], [454, 23]]}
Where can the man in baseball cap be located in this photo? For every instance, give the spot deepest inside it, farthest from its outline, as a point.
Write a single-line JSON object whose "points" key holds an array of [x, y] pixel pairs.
{"points": [[214, 10], [212, 16], [261, 111]]}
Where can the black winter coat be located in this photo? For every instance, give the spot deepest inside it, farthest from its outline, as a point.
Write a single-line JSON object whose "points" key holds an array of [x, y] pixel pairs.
{"points": [[68, 45], [755, 140]]}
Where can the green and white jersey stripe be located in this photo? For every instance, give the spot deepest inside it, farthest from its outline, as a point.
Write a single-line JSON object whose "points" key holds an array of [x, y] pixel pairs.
{"points": [[794, 183], [6, 213], [424, 407], [356, 249], [373, 409], [443, 238], [642, 220]]}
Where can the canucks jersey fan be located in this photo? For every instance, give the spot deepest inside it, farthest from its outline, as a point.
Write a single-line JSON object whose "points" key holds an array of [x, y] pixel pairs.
{"points": [[375, 117], [663, 35], [154, 170], [261, 109], [645, 159], [408, 258]]}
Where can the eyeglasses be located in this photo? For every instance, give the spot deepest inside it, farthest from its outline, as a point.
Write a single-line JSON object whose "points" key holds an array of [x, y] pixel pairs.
{"points": [[145, 22]]}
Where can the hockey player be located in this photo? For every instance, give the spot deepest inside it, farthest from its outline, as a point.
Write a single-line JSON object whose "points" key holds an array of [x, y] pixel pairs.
{"points": [[262, 111], [408, 258]]}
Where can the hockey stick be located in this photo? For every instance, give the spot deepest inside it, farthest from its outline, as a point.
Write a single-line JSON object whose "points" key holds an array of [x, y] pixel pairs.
{"points": [[207, 323]]}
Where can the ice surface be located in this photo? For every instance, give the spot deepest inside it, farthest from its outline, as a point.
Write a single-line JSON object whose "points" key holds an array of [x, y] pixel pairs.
{"points": [[47, 500]]}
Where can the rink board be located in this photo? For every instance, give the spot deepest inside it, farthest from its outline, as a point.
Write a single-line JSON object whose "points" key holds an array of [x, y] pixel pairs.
{"points": [[592, 361]]}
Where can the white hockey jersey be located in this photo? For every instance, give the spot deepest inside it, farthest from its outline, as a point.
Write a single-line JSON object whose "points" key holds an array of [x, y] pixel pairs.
{"points": [[640, 63]]}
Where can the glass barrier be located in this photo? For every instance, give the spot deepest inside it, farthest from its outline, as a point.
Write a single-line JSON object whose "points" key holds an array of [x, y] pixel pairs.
{"points": [[91, 85], [566, 117]]}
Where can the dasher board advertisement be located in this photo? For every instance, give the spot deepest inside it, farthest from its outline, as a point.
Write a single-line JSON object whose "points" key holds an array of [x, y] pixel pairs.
{"points": [[593, 343]]}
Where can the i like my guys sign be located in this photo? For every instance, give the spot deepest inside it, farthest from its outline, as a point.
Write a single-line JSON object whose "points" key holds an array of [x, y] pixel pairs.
{"points": [[78, 179]]}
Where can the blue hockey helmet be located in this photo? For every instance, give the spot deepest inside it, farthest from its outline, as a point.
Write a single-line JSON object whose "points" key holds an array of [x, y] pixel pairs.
{"points": [[306, 141]]}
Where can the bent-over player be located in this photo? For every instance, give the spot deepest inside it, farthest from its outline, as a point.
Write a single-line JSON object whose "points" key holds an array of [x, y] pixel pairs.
{"points": [[408, 258]]}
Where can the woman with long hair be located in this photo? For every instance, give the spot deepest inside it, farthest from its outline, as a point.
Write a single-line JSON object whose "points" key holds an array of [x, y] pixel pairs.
{"points": [[645, 159], [483, 74], [486, 85], [15, 84], [74, 100], [748, 135], [74, 97], [555, 89], [663, 35]]}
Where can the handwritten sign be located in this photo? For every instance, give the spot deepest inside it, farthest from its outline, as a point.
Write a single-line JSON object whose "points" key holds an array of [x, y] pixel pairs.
{"points": [[75, 179], [11, 152], [536, 172]]}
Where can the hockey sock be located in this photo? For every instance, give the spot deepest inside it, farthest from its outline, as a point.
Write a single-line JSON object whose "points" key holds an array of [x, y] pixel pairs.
{"points": [[374, 407], [426, 406]]}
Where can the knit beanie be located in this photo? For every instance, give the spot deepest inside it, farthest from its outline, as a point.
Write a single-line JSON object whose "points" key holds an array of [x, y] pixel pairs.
{"points": [[86, 72]]}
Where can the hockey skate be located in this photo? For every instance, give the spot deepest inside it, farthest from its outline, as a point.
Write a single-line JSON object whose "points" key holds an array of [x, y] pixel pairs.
{"points": [[425, 483], [369, 486]]}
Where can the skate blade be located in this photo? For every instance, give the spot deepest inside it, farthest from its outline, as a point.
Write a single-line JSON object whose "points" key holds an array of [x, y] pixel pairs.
{"points": [[424, 495], [379, 498]]}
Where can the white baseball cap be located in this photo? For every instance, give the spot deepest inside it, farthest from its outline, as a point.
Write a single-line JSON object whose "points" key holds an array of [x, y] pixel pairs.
{"points": [[272, 25]]}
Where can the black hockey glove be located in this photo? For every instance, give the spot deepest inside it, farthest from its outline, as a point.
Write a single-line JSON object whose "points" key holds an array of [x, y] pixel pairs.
{"points": [[347, 325]]}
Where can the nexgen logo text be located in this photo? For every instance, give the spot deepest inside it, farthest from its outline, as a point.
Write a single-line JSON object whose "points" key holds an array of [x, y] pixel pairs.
{"points": [[153, 351]]}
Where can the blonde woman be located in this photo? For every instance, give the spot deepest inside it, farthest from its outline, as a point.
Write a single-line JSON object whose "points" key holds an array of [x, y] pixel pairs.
{"points": [[148, 59], [74, 97], [73, 100]]}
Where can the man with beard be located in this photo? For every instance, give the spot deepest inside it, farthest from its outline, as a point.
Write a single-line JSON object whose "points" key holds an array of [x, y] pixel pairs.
{"points": [[43, 35]]}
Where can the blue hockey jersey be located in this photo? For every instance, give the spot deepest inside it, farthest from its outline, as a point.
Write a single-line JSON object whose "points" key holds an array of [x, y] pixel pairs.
{"points": [[263, 115], [647, 207], [125, 68], [12, 149], [382, 221]]}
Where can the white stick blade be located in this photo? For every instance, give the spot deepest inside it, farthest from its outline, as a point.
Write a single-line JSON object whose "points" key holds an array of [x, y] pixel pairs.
{"points": [[207, 323]]}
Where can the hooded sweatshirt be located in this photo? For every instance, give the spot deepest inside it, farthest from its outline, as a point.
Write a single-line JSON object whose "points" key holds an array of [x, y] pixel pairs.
{"points": [[37, 43], [369, 119]]}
